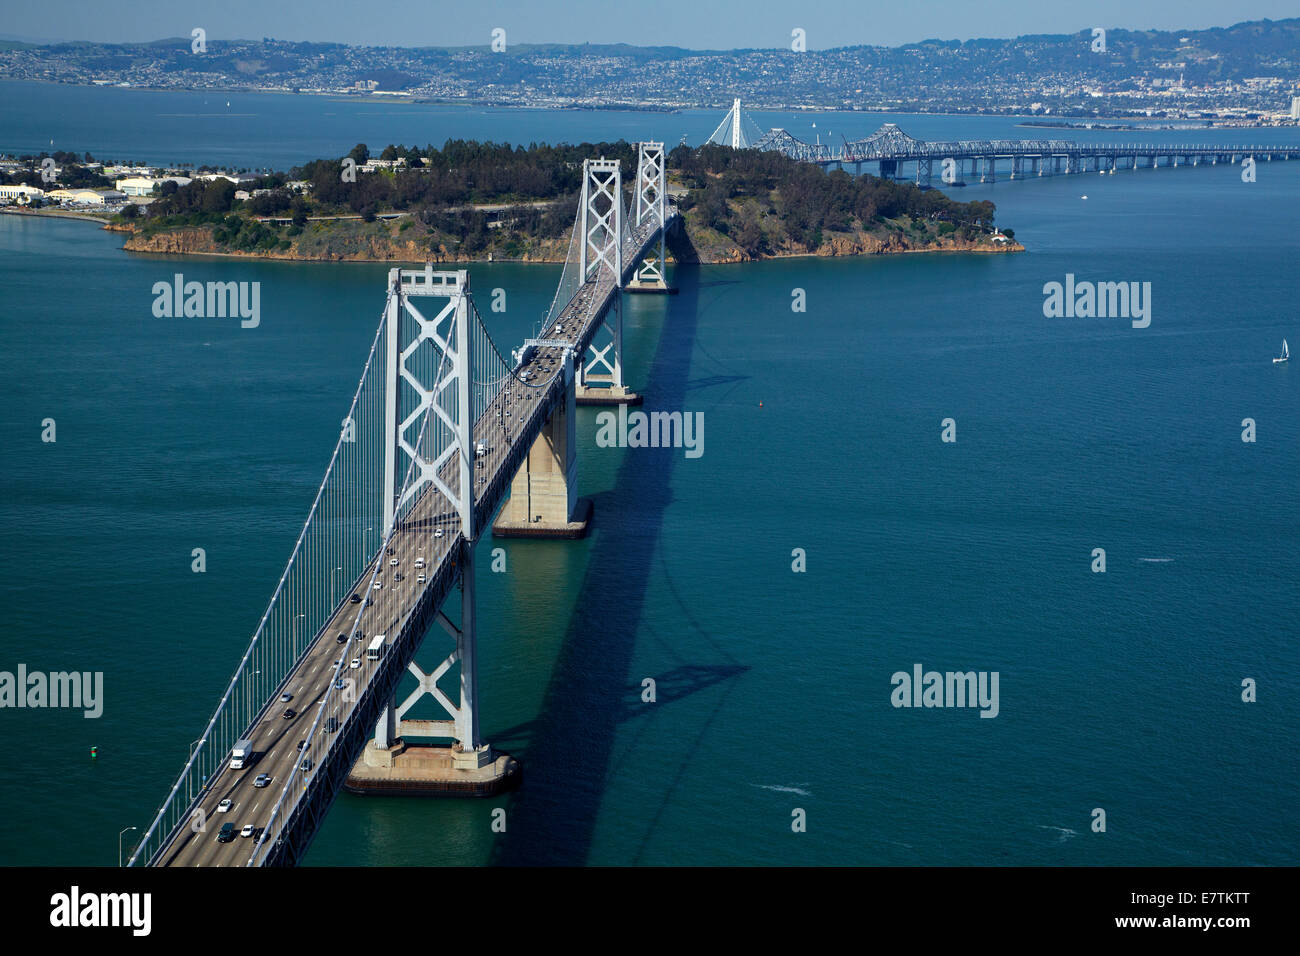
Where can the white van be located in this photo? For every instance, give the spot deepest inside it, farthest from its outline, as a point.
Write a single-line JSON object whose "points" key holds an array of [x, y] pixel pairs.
{"points": [[376, 648]]}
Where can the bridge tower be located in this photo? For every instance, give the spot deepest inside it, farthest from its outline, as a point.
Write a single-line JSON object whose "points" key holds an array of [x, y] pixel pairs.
{"points": [[731, 131], [650, 198], [469, 766], [600, 257]]}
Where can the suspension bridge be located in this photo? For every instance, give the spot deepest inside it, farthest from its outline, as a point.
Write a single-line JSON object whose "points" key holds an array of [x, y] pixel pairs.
{"points": [[440, 426], [890, 150]]}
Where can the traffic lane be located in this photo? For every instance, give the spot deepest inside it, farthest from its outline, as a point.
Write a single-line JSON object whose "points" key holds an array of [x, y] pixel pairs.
{"points": [[393, 604]]}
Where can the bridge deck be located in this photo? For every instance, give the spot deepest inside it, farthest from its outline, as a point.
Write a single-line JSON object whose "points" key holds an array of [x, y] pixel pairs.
{"points": [[398, 608]]}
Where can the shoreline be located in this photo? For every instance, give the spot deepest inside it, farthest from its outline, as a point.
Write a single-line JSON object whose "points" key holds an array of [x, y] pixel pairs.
{"points": [[107, 226], [56, 214], [1009, 248], [341, 96]]}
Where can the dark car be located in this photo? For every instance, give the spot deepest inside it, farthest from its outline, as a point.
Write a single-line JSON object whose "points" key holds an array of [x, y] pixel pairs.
{"points": [[290, 714], [343, 638], [227, 834], [391, 551], [369, 602], [301, 744], [332, 724], [355, 599]]}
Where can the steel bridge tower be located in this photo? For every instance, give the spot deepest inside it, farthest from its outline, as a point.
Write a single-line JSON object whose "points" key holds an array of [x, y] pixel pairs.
{"points": [[650, 198], [447, 400]]}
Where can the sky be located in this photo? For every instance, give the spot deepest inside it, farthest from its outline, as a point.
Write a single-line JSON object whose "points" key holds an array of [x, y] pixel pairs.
{"points": [[694, 24]]}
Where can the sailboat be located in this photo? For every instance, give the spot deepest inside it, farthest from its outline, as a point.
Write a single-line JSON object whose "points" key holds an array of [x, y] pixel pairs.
{"points": [[1285, 356]]}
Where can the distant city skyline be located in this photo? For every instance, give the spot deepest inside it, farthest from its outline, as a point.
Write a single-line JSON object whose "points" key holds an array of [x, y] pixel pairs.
{"points": [[733, 24]]}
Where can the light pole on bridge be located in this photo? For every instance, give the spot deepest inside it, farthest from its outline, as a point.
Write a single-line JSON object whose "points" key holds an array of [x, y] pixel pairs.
{"points": [[119, 843], [189, 782]]}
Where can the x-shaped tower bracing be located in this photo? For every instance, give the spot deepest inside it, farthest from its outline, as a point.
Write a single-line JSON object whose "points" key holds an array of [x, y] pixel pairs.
{"points": [[442, 387], [601, 250], [650, 207]]}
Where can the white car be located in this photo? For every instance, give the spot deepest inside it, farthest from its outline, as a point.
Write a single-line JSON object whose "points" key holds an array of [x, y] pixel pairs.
{"points": [[437, 532], [419, 562], [338, 663], [392, 562], [379, 585], [224, 805], [356, 662], [247, 831], [419, 578]]}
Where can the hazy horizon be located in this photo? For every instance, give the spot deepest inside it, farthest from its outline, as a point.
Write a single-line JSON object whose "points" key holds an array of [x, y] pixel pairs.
{"points": [[723, 27]]}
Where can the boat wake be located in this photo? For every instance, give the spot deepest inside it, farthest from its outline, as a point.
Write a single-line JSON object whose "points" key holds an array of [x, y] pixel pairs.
{"points": [[779, 789], [1156, 560], [1065, 833]]}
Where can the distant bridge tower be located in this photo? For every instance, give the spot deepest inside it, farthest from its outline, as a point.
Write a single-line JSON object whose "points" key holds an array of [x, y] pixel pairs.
{"points": [[650, 199], [601, 258], [736, 130]]}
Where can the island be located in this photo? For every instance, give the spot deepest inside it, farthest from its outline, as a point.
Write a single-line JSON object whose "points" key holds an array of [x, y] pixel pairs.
{"points": [[470, 201]]}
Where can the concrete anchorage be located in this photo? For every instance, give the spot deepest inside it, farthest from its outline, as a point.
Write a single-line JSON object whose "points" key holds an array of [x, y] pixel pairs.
{"points": [[544, 500]]}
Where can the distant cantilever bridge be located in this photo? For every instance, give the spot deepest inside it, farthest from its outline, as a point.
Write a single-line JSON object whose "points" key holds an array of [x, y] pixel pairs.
{"points": [[891, 149]]}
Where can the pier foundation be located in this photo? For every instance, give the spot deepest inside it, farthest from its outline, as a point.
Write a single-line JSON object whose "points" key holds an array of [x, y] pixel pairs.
{"points": [[544, 500], [418, 770]]}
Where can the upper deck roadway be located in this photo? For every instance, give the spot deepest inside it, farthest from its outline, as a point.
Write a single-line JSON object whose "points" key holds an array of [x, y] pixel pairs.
{"points": [[431, 530]]}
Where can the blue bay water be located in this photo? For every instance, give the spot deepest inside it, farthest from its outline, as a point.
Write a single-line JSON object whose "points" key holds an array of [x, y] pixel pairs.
{"points": [[282, 130], [822, 432]]}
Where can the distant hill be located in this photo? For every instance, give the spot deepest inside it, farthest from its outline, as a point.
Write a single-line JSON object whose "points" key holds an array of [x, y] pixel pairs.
{"points": [[1063, 73]]}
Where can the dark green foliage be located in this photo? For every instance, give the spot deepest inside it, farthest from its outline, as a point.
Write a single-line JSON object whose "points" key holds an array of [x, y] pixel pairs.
{"points": [[805, 201]]}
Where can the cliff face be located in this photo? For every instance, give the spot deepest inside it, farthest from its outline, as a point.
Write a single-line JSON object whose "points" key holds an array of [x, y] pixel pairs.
{"points": [[175, 242], [328, 248], [376, 248], [859, 244]]}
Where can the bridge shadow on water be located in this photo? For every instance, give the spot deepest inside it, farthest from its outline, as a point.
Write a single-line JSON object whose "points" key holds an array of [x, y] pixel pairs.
{"points": [[568, 751]]}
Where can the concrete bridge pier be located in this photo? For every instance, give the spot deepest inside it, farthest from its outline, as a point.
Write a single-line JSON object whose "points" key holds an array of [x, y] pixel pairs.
{"points": [[391, 765], [649, 278], [544, 500]]}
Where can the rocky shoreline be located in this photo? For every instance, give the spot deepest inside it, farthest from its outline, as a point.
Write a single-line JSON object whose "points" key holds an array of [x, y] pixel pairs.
{"points": [[198, 240]]}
